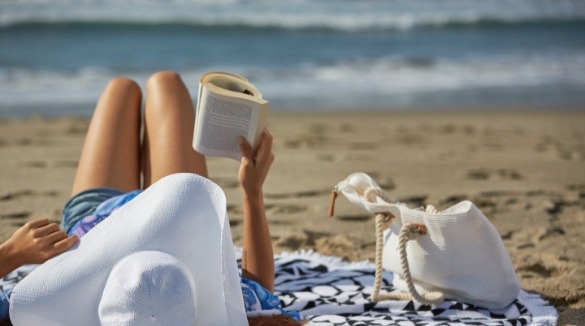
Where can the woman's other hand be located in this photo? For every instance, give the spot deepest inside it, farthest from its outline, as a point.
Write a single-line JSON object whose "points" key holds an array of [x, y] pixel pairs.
{"points": [[34, 243]]}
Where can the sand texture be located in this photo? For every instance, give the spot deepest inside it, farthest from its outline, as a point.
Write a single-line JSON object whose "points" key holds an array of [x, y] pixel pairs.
{"points": [[524, 169]]}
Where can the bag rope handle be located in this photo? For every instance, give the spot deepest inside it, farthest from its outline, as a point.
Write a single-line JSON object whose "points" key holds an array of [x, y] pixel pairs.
{"points": [[407, 232]]}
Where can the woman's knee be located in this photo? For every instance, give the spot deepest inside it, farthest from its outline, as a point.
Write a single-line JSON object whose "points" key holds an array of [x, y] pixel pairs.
{"points": [[125, 86], [162, 80], [121, 97], [167, 95]]}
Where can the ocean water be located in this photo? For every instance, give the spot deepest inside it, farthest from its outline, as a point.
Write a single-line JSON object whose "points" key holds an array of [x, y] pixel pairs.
{"points": [[56, 56]]}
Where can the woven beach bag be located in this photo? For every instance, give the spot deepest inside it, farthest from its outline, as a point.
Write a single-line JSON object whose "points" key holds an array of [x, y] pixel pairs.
{"points": [[455, 253]]}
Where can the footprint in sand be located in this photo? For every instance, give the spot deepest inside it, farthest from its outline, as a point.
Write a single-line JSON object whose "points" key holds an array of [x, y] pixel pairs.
{"points": [[450, 129], [234, 209], [579, 189], [33, 164], [387, 183], [340, 245], [358, 157], [363, 145], [66, 164], [409, 139], [553, 206], [493, 174], [291, 242], [414, 201], [536, 269], [311, 140], [347, 128], [32, 142], [297, 240], [325, 157], [24, 193], [285, 208], [318, 128], [571, 154], [235, 222], [551, 232], [16, 215], [452, 200], [354, 218], [281, 222], [15, 195], [487, 205], [226, 183], [77, 128], [563, 151], [300, 194], [17, 219]]}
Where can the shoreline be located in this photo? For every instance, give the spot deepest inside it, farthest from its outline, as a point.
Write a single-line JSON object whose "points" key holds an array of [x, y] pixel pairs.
{"points": [[53, 112], [523, 168]]}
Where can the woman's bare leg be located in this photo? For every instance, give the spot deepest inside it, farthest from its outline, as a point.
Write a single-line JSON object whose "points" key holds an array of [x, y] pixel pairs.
{"points": [[111, 152], [169, 119]]}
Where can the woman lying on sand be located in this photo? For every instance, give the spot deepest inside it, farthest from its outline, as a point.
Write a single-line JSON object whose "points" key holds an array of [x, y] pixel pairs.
{"points": [[109, 176]]}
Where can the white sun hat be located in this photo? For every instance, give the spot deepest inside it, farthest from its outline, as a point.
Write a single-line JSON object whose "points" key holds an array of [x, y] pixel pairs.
{"points": [[164, 258]]}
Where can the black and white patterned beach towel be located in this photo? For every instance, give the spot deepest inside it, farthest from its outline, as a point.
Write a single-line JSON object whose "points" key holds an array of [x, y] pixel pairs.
{"points": [[330, 291]]}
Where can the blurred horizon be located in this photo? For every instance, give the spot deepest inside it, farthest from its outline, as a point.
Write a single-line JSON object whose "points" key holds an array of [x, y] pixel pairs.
{"points": [[57, 55]]}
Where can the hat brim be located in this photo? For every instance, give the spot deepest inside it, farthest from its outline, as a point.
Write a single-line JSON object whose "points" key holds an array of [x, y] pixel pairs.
{"points": [[183, 215]]}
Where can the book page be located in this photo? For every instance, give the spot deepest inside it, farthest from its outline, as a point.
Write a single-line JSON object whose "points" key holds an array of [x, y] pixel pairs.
{"points": [[222, 122]]}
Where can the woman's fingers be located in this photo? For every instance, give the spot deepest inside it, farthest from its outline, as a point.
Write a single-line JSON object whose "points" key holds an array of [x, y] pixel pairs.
{"points": [[255, 163], [245, 148], [54, 237], [46, 230], [264, 150], [64, 245], [35, 224]]}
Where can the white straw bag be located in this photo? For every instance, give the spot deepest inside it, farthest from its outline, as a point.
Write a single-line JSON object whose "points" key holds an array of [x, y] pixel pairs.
{"points": [[456, 253]]}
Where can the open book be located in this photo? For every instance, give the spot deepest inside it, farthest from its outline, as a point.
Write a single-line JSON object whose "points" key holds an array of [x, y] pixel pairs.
{"points": [[228, 106]]}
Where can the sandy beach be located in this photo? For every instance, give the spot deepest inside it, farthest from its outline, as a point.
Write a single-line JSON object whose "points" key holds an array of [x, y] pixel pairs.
{"points": [[525, 169]]}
